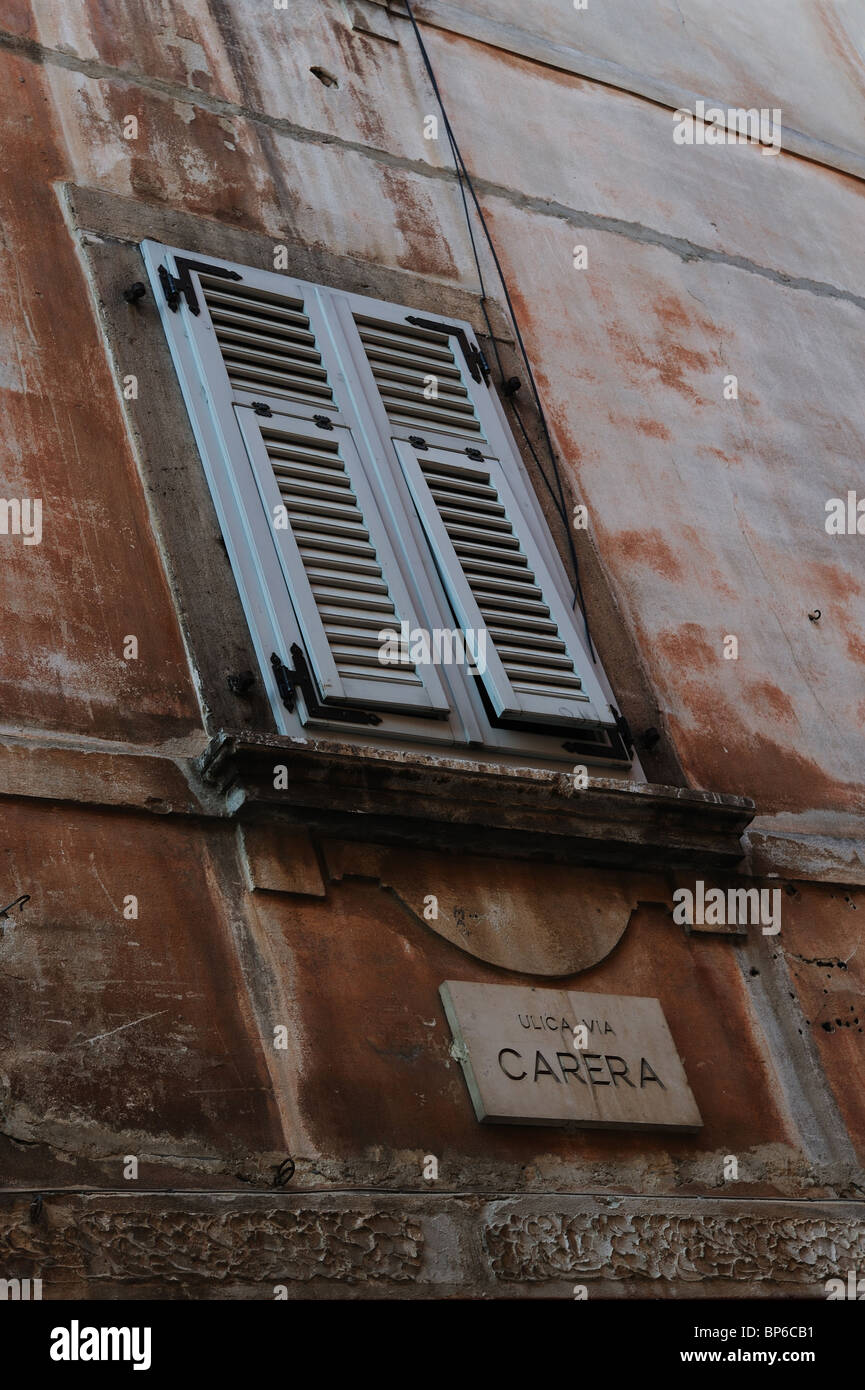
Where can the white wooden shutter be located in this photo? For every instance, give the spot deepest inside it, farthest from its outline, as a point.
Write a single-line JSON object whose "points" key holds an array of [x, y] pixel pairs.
{"points": [[500, 584], [273, 420], [405, 497], [492, 549], [338, 562]]}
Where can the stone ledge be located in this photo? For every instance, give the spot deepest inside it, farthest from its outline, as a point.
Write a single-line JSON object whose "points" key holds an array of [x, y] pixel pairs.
{"points": [[434, 801], [427, 1245], [44, 768], [821, 858], [688, 1246]]}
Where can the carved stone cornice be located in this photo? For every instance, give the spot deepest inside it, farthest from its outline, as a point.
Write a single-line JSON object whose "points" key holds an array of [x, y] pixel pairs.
{"points": [[672, 1246], [230, 1245]]}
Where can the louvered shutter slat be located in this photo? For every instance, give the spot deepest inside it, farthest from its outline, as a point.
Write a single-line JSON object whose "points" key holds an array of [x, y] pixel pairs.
{"points": [[401, 358], [234, 298], [361, 594], [499, 584], [266, 343]]}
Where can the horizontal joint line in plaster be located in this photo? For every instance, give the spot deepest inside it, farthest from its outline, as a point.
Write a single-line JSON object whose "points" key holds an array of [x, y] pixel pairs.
{"points": [[605, 1199], [633, 231], [219, 106], [679, 246], [505, 37]]}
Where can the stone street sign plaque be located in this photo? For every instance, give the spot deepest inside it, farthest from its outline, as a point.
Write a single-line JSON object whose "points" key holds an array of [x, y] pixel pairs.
{"points": [[553, 1057]]}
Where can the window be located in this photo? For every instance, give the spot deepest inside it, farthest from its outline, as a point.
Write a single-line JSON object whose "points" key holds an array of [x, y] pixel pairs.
{"points": [[393, 563]]}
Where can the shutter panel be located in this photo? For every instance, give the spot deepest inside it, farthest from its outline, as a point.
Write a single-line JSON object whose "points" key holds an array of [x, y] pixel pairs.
{"points": [[341, 571], [500, 586], [256, 363]]}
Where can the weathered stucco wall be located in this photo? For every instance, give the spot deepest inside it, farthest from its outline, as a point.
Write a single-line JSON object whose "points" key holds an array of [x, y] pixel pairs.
{"points": [[702, 261], [153, 1036], [804, 58]]}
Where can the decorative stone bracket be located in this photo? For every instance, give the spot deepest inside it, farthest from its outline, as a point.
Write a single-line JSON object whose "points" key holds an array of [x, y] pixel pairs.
{"points": [[537, 919]]}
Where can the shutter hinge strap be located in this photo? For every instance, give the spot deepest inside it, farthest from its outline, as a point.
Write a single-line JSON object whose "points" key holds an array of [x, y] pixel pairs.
{"points": [[621, 745], [175, 286], [289, 681], [477, 362], [624, 729], [621, 742]]}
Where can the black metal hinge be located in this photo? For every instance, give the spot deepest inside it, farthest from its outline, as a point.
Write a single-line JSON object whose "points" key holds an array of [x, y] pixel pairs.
{"points": [[477, 363], [624, 729], [181, 284], [620, 746], [289, 681]]}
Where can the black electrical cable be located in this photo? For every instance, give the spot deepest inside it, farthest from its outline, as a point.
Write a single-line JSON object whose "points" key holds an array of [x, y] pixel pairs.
{"points": [[465, 180]]}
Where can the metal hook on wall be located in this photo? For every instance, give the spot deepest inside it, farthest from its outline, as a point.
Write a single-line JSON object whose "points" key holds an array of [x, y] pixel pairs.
{"points": [[24, 898]]}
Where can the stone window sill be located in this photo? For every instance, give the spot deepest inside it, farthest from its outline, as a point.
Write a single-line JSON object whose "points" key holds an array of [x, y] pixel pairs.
{"points": [[429, 800]]}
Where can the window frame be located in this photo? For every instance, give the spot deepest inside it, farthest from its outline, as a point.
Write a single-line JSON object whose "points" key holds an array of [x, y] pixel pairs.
{"points": [[359, 408]]}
